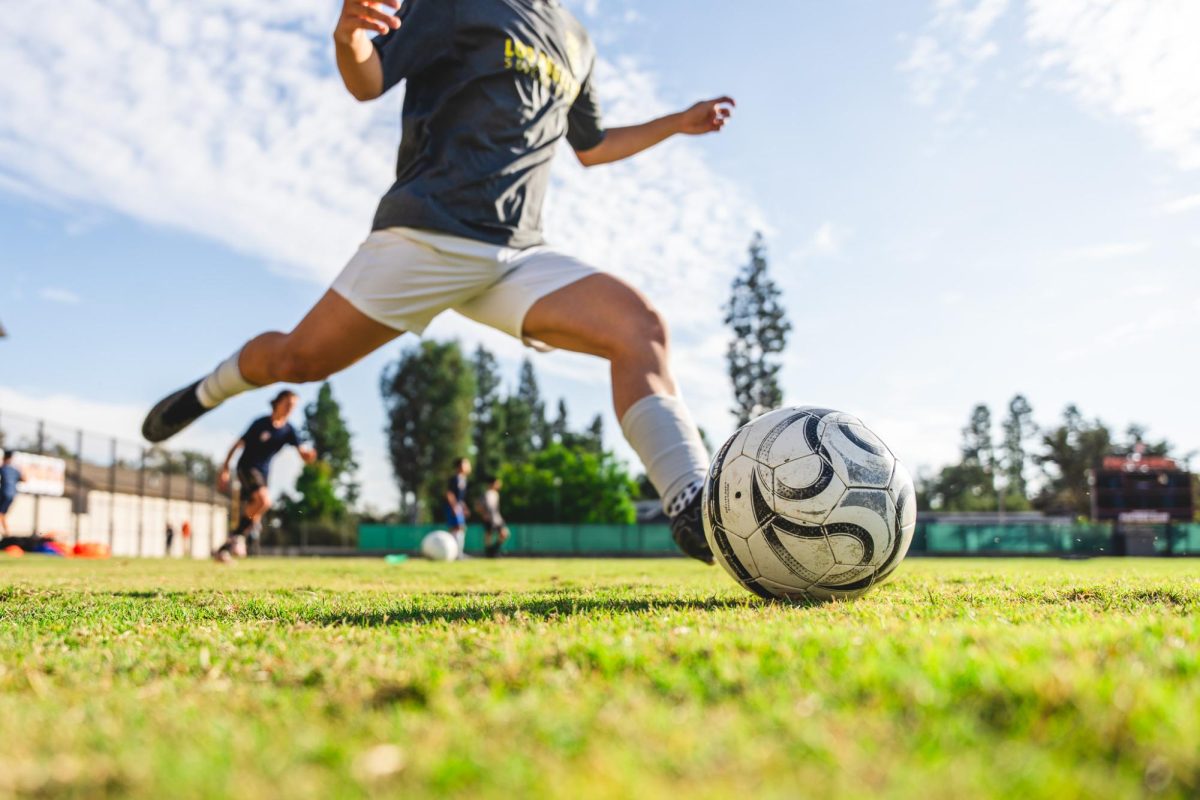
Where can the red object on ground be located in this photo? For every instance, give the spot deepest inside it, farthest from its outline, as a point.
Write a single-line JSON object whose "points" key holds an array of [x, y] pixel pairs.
{"points": [[91, 550], [13, 551]]}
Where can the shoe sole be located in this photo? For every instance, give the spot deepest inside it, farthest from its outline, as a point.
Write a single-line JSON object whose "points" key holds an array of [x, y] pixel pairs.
{"points": [[154, 430]]}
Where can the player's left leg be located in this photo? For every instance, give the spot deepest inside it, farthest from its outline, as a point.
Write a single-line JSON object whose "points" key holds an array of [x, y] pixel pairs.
{"points": [[586, 311], [332, 336]]}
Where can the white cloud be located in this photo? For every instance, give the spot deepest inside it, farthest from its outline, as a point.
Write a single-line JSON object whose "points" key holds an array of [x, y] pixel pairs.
{"points": [[944, 61], [1182, 204], [1136, 60], [57, 295]]}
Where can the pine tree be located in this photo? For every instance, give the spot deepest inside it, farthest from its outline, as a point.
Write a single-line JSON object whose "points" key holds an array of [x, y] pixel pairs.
{"points": [[330, 437], [1018, 429], [559, 430], [488, 415], [428, 393], [760, 332]]}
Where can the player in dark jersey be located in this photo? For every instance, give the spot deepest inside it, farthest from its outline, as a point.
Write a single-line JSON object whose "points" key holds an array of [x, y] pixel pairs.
{"points": [[492, 87], [456, 503], [10, 476], [261, 442]]}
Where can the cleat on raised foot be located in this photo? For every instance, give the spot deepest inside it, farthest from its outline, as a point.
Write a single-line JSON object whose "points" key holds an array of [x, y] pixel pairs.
{"points": [[172, 414], [688, 532]]}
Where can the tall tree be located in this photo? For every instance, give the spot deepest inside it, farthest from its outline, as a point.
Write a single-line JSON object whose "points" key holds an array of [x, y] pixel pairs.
{"points": [[525, 417], [1019, 428], [331, 438], [559, 428], [428, 393], [487, 418], [968, 485], [530, 395], [760, 329], [1070, 450]]}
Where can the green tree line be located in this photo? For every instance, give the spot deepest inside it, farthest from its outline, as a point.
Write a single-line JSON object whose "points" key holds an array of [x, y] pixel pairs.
{"points": [[442, 404], [1029, 468]]}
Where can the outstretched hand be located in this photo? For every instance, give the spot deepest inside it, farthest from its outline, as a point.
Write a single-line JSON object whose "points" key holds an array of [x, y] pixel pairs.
{"points": [[707, 116], [366, 15]]}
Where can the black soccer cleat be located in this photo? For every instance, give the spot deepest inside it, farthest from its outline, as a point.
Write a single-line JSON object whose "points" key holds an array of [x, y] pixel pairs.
{"points": [[172, 414], [688, 531]]}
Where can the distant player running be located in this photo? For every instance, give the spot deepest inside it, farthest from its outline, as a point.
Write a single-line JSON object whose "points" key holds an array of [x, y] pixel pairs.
{"points": [[492, 87], [261, 442], [495, 532], [456, 503]]}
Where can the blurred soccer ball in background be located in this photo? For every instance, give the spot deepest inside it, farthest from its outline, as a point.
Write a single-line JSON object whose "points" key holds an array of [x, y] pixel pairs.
{"points": [[808, 504], [439, 546]]}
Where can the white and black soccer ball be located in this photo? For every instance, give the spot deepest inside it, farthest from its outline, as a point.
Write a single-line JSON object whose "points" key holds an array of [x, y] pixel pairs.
{"points": [[808, 504], [439, 546]]}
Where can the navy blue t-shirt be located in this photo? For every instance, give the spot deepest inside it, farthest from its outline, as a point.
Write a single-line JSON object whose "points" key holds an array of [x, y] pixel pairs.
{"points": [[10, 476], [458, 487], [492, 87], [262, 441]]}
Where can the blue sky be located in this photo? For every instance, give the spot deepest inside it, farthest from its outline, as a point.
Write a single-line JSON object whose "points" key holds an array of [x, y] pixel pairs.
{"points": [[962, 200]]}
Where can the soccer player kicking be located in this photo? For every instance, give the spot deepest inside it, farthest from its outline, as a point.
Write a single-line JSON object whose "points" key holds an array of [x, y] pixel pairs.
{"points": [[492, 87], [261, 442]]}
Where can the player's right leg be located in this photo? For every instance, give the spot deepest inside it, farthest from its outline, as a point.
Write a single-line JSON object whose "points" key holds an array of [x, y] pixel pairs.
{"points": [[331, 337]]}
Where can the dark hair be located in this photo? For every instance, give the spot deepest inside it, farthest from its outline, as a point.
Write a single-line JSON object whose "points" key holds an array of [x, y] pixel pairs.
{"points": [[283, 395], [8, 454], [458, 462]]}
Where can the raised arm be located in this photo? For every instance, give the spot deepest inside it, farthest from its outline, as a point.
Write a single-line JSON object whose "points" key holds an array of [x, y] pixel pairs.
{"points": [[707, 116], [223, 477], [357, 60]]}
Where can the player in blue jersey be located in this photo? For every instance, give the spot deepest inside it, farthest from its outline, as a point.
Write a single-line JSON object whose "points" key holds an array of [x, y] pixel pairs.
{"points": [[492, 88], [261, 442], [10, 476]]}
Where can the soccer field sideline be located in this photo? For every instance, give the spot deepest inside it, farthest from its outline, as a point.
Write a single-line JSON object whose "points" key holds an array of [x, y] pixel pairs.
{"points": [[595, 679]]}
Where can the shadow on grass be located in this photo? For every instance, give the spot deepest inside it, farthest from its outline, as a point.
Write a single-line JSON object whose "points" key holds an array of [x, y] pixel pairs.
{"points": [[480, 608]]}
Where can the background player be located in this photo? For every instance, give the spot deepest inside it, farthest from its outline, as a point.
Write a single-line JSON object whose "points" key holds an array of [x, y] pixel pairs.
{"points": [[265, 437], [10, 476], [492, 88], [456, 503], [495, 532]]}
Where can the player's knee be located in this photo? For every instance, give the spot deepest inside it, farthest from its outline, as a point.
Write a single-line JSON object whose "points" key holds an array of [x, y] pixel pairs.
{"points": [[644, 332]]}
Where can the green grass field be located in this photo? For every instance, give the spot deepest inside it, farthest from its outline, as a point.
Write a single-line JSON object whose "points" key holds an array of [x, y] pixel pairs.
{"points": [[319, 679]]}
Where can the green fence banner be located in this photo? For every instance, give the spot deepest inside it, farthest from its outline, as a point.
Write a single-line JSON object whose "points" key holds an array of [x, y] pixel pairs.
{"points": [[932, 538]]}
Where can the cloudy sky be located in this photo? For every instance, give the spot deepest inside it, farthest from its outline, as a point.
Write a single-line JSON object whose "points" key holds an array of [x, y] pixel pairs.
{"points": [[963, 199]]}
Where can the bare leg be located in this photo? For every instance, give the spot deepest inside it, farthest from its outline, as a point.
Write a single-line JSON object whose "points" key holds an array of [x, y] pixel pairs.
{"points": [[4, 524], [259, 504], [603, 316], [331, 337]]}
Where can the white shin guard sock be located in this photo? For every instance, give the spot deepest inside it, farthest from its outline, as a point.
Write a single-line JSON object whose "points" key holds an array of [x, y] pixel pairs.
{"points": [[225, 382], [662, 433]]}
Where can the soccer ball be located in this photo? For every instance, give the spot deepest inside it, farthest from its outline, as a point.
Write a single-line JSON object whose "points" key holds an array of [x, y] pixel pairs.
{"points": [[808, 504], [439, 546]]}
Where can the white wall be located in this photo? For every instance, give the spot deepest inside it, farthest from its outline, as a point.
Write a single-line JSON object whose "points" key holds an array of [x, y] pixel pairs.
{"points": [[137, 524]]}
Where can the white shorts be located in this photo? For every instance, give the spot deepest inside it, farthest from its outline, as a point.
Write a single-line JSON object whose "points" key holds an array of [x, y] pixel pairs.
{"points": [[404, 277]]}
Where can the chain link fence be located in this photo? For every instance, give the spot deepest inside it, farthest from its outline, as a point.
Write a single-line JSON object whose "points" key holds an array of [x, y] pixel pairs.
{"points": [[119, 493]]}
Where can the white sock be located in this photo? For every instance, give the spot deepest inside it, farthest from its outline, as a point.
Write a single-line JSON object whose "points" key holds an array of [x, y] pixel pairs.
{"points": [[662, 433], [225, 382]]}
